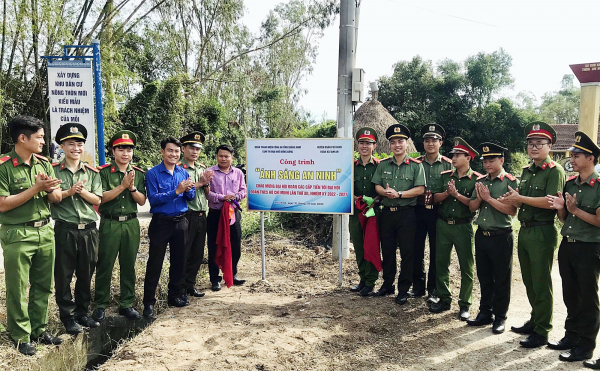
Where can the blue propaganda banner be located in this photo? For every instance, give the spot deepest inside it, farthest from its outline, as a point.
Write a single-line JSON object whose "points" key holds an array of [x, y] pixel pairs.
{"points": [[300, 175]]}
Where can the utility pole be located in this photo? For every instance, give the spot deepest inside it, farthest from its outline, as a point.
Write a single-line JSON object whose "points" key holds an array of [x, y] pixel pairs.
{"points": [[341, 234]]}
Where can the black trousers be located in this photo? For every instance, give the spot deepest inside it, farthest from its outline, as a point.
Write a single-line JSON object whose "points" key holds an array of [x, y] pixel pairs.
{"points": [[212, 225], [493, 258], [161, 232], [397, 230], [579, 266], [76, 253], [426, 219], [195, 249]]}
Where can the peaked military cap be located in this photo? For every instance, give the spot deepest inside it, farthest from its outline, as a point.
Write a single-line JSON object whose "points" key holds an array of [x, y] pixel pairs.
{"points": [[584, 144], [461, 146], [123, 138], [538, 129], [397, 131], [367, 133], [488, 149], [71, 131], [433, 131], [194, 139]]}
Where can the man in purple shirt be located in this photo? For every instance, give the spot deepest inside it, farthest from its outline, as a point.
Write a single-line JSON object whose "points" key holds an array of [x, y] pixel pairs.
{"points": [[227, 184]]}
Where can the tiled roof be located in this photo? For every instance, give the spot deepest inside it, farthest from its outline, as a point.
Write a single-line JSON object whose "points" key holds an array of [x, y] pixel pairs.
{"points": [[565, 135]]}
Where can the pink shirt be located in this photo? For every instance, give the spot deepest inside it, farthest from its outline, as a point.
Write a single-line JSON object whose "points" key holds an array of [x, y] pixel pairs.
{"points": [[223, 184]]}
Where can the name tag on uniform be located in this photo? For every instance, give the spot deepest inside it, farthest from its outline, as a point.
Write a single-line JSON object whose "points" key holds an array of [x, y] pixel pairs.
{"points": [[20, 180], [387, 172]]}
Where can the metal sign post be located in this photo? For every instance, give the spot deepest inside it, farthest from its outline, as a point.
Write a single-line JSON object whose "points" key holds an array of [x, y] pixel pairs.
{"points": [[262, 245]]}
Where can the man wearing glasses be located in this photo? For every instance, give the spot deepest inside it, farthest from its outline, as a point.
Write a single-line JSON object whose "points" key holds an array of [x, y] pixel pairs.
{"points": [[537, 237]]}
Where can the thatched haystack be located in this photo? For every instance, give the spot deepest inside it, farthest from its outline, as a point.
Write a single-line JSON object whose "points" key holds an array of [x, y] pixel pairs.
{"points": [[373, 114]]}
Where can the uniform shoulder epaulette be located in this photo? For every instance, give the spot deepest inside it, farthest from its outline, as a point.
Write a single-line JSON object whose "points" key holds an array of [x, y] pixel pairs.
{"points": [[415, 160], [41, 157], [55, 164], [4, 159], [446, 159], [179, 163], [202, 165], [138, 169], [386, 159], [572, 177], [477, 174], [551, 164], [103, 166], [526, 166], [376, 160], [355, 161], [482, 177], [511, 177], [91, 168], [447, 171]]}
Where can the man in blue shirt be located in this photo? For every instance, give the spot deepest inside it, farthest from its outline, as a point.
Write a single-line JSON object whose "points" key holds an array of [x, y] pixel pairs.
{"points": [[169, 187]]}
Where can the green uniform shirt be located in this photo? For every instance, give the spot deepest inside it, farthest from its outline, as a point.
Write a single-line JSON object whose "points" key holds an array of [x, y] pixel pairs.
{"points": [[15, 177], [124, 203], [488, 217], [539, 181], [362, 177], [451, 208], [75, 209], [433, 172], [199, 203], [588, 200], [401, 177]]}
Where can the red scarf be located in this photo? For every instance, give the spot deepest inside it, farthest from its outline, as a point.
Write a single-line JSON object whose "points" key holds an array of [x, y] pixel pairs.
{"points": [[223, 255], [370, 235]]}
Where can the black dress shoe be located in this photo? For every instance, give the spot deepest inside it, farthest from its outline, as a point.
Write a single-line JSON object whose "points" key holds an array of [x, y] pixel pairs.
{"points": [[129, 313], [526, 329], [482, 319], [402, 298], [594, 365], [463, 313], [98, 315], [384, 291], [498, 326], [357, 288], [366, 291], [238, 282], [26, 349], [86, 321], [439, 307], [563, 344], [576, 354], [415, 294], [432, 299], [195, 293], [149, 311], [46, 338], [216, 286], [176, 302], [185, 300], [72, 327], [534, 340]]}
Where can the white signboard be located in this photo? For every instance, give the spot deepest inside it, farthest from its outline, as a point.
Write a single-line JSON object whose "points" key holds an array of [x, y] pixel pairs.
{"points": [[300, 175], [71, 93]]}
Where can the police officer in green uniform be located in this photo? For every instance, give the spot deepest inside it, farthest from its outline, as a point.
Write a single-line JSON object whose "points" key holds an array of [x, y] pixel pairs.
{"points": [[364, 169], [124, 190], [537, 237], [494, 238], [75, 229], [426, 211], [197, 208], [400, 179], [27, 185], [579, 253], [454, 228]]}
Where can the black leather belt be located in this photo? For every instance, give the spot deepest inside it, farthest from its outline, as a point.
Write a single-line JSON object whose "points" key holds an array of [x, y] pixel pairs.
{"points": [[175, 218], [496, 232], [60, 223], [37, 223], [534, 224], [397, 208], [120, 218], [198, 213], [456, 220], [428, 207], [572, 240]]}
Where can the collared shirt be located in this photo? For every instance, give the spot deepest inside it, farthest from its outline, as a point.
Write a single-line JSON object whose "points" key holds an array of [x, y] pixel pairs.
{"points": [[199, 203], [488, 217], [123, 204], [540, 181], [433, 172], [161, 185], [223, 184], [588, 200], [452, 208], [75, 209], [15, 177], [362, 177], [402, 176]]}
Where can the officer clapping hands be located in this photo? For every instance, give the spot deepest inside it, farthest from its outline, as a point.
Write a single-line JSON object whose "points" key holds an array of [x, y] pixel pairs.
{"points": [[43, 182]]}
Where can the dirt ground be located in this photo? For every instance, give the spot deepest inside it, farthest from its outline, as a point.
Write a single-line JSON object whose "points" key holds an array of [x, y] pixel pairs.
{"points": [[300, 319]]}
